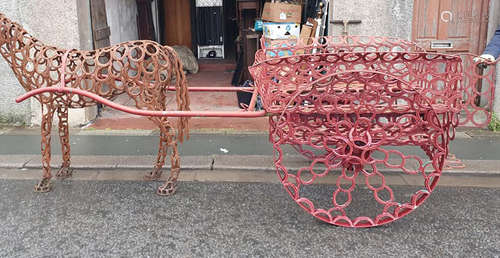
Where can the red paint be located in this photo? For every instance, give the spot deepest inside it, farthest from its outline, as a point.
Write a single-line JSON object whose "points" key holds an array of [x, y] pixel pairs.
{"points": [[140, 112]]}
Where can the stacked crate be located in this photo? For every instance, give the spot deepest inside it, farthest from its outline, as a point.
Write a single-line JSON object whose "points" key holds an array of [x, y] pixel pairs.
{"points": [[281, 27]]}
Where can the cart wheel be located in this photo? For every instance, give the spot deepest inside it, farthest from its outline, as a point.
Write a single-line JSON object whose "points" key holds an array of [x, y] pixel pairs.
{"points": [[346, 178], [353, 181]]}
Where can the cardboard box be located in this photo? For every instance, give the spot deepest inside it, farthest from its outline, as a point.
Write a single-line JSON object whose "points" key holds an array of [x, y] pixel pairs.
{"points": [[273, 30], [305, 33], [281, 12]]}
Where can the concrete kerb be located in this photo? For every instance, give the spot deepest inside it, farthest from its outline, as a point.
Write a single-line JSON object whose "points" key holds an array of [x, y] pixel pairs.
{"points": [[16, 161], [294, 163], [128, 132], [451, 179], [461, 133], [103, 162], [256, 163]]}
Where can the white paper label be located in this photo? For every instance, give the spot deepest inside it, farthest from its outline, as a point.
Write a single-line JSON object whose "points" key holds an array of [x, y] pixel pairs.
{"points": [[283, 16]]}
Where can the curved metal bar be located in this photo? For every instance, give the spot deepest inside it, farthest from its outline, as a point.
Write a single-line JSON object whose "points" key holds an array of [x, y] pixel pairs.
{"points": [[218, 89], [134, 111]]}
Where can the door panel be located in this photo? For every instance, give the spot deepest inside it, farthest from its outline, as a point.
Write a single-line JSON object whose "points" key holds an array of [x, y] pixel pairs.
{"points": [[177, 22], [100, 28], [210, 24], [462, 23], [425, 19]]}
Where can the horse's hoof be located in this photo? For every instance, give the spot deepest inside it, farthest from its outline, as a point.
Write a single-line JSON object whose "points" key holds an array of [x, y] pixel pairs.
{"points": [[167, 189], [64, 172], [44, 186]]}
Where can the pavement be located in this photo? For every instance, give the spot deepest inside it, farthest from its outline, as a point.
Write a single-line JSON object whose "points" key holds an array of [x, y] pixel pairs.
{"points": [[215, 150]]}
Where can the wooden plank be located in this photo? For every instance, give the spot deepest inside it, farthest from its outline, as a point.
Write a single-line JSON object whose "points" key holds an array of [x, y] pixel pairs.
{"points": [[444, 10], [177, 22], [483, 31], [100, 28]]}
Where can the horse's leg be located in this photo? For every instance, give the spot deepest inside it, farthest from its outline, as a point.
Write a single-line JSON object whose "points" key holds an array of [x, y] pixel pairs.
{"points": [[47, 116], [170, 186], [155, 174], [65, 171]]}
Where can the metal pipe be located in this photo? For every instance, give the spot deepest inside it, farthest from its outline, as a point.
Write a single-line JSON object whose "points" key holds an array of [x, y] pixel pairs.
{"points": [[222, 89], [253, 100], [156, 113]]}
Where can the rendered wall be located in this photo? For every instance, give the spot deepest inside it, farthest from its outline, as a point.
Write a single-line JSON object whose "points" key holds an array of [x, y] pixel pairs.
{"points": [[53, 24], [378, 18], [122, 20]]}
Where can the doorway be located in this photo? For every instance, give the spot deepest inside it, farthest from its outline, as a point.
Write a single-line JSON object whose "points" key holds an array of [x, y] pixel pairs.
{"points": [[179, 26]]}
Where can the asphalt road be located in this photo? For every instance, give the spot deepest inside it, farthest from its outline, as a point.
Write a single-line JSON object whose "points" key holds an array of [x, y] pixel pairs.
{"points": [[107, 218]]}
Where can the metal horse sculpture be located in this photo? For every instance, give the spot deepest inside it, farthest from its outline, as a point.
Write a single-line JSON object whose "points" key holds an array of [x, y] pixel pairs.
{"points": [[141, 69]]}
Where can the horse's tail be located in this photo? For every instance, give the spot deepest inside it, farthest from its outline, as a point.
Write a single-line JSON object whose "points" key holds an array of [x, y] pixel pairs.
{"points": [[182, 95]]}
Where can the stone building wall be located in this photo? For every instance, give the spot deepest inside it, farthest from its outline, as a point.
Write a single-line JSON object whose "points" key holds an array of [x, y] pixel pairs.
{"points": [[53, 24], [378, 18]]}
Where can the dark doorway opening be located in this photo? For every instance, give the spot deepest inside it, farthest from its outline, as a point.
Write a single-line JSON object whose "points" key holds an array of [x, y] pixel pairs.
{"points": [[179, 25]]}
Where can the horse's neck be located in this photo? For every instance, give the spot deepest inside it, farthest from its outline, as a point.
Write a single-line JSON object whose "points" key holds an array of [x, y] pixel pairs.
{"points": [[19, 49]]}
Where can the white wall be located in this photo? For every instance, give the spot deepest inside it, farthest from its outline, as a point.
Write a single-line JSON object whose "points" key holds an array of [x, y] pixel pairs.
{"points": [[65, 24], [378, 18], [155, 11], [122, 20], [9, 86], [53, 24]]}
